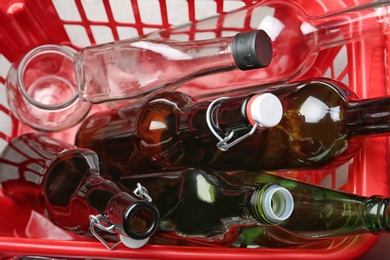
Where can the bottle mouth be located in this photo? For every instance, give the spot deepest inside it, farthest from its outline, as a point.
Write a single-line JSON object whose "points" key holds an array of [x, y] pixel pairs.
{"points": [[141, 220], [49, 71], [276, 204]]}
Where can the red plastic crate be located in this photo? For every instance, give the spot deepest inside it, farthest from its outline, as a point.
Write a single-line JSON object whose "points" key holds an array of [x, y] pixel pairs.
{"points": [[28, 23]]}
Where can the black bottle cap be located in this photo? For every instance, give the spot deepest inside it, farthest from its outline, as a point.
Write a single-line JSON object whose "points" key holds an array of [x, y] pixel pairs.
{"points": [[252, 50]]}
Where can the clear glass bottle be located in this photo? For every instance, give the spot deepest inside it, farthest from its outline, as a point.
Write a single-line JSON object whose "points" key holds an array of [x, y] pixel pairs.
{"points": [[135, 68], [322, 124], [50, 83], [71, 186], [296, 36], [210, 206]]}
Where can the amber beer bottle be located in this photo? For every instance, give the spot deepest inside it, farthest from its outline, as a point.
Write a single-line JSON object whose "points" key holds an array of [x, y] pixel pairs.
{"points": [[318, 123]]}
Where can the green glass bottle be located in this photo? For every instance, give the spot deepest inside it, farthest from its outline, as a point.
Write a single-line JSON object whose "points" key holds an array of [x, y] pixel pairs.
{"points": [[321, 212], [210, 207], [322, 218]]}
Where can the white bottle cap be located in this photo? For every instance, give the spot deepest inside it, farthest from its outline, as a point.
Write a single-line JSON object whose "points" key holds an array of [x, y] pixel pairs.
{"points": [[265, 109], [131, 242]]}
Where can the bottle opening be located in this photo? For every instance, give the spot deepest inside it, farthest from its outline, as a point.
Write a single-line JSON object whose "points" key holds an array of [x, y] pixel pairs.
{"points": [[46, 77], [277, 203], [141, 220]]}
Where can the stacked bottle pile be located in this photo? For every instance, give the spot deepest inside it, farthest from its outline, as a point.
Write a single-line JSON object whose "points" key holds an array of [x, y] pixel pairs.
{"points": [[193, 168]]}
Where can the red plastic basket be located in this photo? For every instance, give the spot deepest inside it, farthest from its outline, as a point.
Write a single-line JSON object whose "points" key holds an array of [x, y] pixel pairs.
{"points": [[28, 23]]}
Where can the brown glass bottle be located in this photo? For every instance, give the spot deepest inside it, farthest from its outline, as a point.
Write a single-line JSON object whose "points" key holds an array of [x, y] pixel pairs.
{"points": [[71, 186], [322, 125]]}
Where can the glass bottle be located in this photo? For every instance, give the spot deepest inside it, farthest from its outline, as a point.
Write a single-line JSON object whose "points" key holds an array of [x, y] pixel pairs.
{"points": [[327, 212], [134, 68], [51, 82], [321, 216], [321, 125], [45, 96], [296, 36], [73, 189], [169, 131], [210, 206]]}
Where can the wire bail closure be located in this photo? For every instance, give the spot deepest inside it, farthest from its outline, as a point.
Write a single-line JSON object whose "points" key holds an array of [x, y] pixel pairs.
{"points": [[223, 143], [102, 222], [99, 221], [142, 192]]}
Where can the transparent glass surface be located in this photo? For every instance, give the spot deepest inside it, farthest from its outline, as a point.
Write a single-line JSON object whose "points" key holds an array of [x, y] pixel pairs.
{"points": [[42, 91]]}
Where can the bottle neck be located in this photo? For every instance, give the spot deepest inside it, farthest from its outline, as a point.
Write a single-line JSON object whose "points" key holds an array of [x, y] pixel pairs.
{"points": [[131, 69], [327, 212], [368, 116], [229, 115], [206, 56], [214, 204], [133, 217], [376, 212], [239, 118], [154, 64], [349, 25], [75, 179]]}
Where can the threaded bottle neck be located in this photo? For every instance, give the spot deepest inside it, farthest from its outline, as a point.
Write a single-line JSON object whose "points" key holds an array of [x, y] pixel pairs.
{"points": [[271, 204]]}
